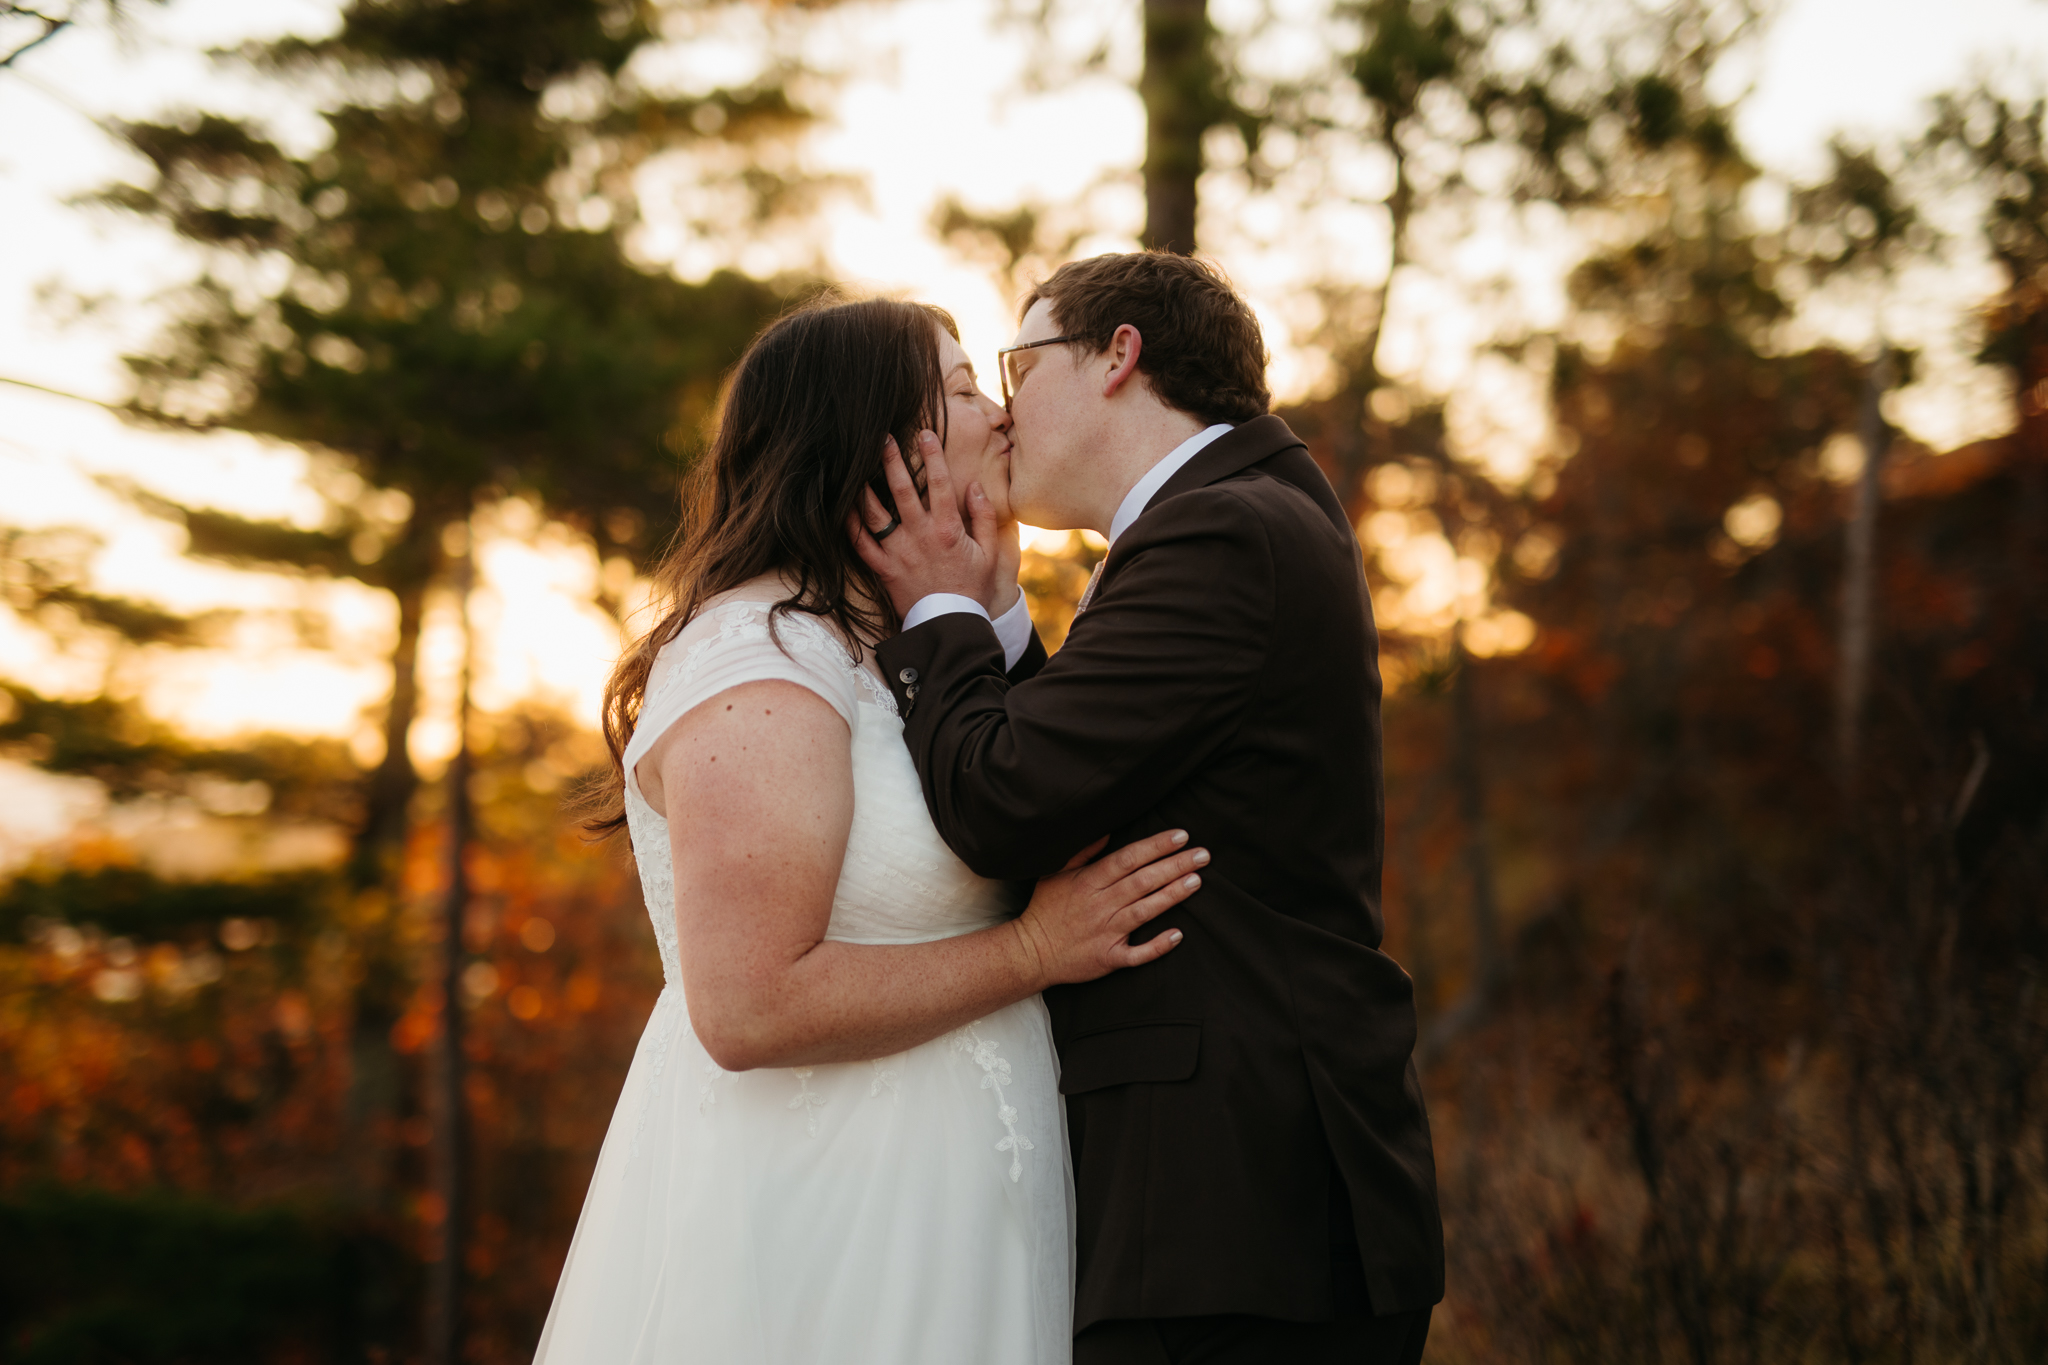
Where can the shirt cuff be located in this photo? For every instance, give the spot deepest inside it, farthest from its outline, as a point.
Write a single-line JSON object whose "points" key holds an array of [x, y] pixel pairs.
{"points": [[1013, 631], [940, 604], [1013, 628]]}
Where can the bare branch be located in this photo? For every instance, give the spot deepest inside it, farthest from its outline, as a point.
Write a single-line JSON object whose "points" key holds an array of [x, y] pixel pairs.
{"points": [[52, 26]]}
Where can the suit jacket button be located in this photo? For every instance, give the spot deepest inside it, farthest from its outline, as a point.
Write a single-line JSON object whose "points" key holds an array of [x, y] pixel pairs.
{"points": [[907, 676], [910, 692]]}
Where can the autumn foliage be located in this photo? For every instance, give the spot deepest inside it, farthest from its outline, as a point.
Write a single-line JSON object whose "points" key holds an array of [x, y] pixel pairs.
{"points": [[1728, 953]]}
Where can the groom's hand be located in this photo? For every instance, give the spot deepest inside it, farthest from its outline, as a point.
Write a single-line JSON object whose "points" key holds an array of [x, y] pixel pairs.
{"points": [[929, 550]]}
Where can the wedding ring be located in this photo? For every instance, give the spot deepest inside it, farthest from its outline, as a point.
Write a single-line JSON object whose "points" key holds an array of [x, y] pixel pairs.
{"points": [[888, 530]]}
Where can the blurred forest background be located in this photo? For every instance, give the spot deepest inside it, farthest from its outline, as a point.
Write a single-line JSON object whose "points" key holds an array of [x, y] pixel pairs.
{"points": [[1717, 734]]}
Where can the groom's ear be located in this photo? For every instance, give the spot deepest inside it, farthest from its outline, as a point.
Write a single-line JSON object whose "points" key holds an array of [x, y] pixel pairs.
{"points": [[1123, 351]]}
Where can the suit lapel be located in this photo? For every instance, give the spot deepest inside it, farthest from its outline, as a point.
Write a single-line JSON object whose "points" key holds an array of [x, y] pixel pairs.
{"points": [[1237, 449], [1263, 440], [1266, 443]]}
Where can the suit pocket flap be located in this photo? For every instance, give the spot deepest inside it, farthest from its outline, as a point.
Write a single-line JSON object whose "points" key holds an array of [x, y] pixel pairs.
{"points": [[1139, 1052]]}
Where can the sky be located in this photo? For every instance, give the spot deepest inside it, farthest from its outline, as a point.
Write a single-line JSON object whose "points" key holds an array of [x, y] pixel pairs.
{"points": [[931, 102]]}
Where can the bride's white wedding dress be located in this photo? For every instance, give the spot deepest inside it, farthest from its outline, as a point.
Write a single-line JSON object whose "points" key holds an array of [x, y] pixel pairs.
{"points": [[906, 1210]]}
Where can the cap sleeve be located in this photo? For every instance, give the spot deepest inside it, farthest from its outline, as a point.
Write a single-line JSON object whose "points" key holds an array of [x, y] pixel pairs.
{"points": [[730, 645]]}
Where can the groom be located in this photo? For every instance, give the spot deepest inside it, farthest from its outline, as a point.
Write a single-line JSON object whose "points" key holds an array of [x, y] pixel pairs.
{"points": [[1250, 1149]]}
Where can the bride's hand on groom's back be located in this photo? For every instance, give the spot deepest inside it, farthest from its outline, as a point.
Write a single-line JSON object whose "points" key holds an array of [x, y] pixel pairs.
{"points": [[1080, 920]]}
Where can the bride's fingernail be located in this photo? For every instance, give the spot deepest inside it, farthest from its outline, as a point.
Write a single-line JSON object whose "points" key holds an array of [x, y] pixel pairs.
{"points": [[1180, 836], [1191, 881], [1173, 936], [1201, 857]]}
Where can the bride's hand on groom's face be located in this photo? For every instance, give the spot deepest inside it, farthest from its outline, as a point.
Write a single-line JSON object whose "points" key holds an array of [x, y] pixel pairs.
{"points": [[930, 549], [1080, 921]]}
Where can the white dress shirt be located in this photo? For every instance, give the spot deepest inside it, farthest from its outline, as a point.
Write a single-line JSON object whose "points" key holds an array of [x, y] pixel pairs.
{"points": [[1143, 491], [1014, 628]]}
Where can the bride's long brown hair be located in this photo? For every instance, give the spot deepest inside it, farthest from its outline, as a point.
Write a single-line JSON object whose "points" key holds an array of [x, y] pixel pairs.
{"points": [[799, 436]]}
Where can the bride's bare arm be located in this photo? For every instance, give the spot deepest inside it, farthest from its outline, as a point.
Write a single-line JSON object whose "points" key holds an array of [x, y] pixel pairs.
{"points": [[757, 787]]}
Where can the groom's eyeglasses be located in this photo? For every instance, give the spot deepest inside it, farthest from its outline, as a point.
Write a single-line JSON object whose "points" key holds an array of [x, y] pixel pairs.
{"points": [[1006, 363]]}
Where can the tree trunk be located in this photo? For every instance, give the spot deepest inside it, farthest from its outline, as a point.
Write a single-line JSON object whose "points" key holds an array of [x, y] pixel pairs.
{"points": [[384, 979], [1179, 89], [1363, 439], [1859, 576], [381, 837], [1400, 215], [1488, 961], [451, 1129]]}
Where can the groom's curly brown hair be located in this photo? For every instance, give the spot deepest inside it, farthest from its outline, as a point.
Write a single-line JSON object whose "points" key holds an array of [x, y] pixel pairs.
{"points": [[1203, 351]]}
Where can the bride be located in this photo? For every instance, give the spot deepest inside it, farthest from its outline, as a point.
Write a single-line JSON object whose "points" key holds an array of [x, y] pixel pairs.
{"points": [[841, 1138]]}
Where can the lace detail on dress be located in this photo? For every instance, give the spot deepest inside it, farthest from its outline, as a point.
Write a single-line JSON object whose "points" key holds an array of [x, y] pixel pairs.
{"points": [[899, 882], [881, 695], [996, 1075], [660, 1035], [657, 883], [742, 621], [707, 1094], [807, 1099], [724, 626]]}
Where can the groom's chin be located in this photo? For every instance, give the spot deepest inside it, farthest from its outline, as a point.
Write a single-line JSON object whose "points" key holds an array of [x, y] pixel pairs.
{"points": [[1018, 509], [999, 502]]}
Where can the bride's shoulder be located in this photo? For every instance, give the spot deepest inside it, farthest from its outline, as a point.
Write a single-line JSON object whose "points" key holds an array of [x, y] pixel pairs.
{"points": [[742, 622], [757, 595]]}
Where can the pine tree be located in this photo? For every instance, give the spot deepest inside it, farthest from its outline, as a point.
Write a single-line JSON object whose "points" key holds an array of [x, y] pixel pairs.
{"points": [[444, 305]]}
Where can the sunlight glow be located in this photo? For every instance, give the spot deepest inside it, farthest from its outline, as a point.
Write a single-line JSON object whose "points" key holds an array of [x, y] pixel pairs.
{"points": [[997, 144]]}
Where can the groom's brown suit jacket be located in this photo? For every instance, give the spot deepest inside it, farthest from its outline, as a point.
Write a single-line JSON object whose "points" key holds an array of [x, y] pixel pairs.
{"points": [[1225, 1100]]}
